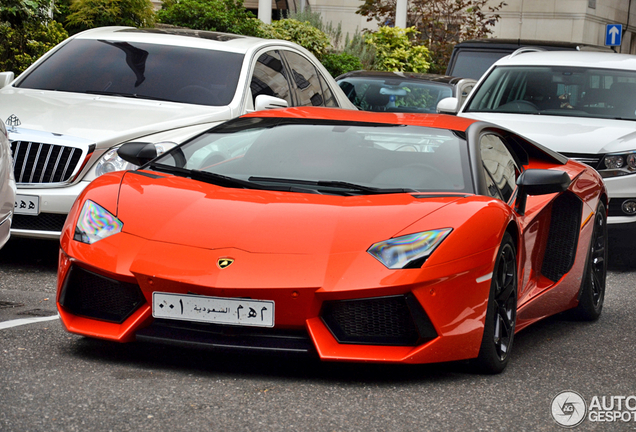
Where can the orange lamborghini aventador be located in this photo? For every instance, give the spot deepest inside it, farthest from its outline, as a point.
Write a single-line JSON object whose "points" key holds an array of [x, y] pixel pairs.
{"points": [[351, 236]]}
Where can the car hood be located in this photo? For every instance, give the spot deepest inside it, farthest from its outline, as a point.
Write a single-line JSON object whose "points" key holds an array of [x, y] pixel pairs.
{"points": [[261, 221], [100, 119], [568, 134]]}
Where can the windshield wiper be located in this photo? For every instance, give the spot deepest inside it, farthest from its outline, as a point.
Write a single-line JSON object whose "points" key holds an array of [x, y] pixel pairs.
{"points": [[362, 188], [332, 184], [205, 176]]}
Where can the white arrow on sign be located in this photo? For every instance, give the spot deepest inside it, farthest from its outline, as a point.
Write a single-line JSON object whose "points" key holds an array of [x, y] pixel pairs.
{"points": [[614, 32]]}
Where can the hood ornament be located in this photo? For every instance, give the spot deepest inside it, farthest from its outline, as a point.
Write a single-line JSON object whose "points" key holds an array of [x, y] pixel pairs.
{"points": [[224, 262], [13, 121]]}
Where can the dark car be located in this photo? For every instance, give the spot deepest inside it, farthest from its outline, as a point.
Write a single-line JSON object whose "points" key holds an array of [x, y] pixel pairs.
{"points": [[472, 58], [402, 91]]}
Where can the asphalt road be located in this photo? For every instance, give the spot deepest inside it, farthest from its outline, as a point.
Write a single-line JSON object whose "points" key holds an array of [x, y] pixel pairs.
{"points": [[54, 381]]}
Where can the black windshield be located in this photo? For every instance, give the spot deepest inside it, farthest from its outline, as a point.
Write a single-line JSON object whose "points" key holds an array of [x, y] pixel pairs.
{"points": [[149, 71]]}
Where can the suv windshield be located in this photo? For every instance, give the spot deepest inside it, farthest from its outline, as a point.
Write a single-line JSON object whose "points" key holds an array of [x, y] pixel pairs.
{"points": [[140, 70], [325, 156], [559, 91]]}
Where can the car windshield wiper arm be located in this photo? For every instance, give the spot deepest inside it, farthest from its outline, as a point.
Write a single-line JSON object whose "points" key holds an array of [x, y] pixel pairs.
{"points": [[208, 177], [362, 188], [332, 184]]}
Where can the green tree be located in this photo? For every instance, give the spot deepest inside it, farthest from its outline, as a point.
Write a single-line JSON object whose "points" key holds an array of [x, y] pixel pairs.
{"points": [[395, 52], [215, 15], [302, 33], [87, 14], [441, 23], [26, 32]]}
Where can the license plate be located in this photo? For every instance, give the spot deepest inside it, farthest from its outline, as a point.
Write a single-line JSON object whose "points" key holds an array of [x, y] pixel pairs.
{"points": [[27, 204], [216, 310]]}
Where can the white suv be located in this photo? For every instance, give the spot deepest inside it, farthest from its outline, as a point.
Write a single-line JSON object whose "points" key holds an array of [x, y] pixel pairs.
{"points": [[581, 104], [69, 112]]}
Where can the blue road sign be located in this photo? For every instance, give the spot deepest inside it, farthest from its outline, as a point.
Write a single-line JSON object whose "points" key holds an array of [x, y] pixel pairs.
{"points": [[613, 34]]}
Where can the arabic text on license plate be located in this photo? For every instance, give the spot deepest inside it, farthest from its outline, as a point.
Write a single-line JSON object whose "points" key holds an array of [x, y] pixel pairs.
{"points": [[217, 310], [27, 204]]}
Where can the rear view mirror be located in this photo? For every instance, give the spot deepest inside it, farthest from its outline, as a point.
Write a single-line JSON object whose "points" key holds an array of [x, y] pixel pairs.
{"points": [[137, 153], [448, 105], [539, 182], [269, 102], [6, 78]]}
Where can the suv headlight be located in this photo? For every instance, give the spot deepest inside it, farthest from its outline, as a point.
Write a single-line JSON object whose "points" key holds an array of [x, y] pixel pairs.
{"points": [[618, 164], [110, 161]]}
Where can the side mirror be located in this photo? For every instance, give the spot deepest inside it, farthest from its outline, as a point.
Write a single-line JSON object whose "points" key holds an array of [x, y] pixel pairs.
{"points": [[448, 105], [269, 102], [6, 78], [137, 153], [539, 182]]}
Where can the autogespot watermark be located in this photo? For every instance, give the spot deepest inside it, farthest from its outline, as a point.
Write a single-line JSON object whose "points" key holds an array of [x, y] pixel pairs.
{"points": [[569, 409]]}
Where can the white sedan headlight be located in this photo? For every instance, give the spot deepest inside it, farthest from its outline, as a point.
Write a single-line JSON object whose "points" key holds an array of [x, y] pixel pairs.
{"points": [[110, 161], [95, 223], [408, 251]]}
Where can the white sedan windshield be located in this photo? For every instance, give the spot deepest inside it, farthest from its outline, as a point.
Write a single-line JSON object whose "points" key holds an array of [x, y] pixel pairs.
{"points": [[139, 70]]}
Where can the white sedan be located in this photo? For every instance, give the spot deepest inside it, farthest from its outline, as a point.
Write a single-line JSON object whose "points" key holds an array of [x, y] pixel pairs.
{"points": [[581, 104], [69, 112], [7, 186]]}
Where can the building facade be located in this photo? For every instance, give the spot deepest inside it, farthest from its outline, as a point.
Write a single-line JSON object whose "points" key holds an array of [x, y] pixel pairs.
{"points": [[581, 21]]}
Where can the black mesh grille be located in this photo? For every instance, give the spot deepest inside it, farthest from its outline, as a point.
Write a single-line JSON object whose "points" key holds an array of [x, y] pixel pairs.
{"points": [[563, 237], [592, 160], [41, 222], [377, 321], [94, 296], [35, 163]]}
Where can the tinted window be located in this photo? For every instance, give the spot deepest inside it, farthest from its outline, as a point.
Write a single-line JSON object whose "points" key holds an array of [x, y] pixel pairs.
{"points": [[305, 79], [473, 64], [330, 100], [417, 158], [270, 77], [500, 168], [162, 72]]}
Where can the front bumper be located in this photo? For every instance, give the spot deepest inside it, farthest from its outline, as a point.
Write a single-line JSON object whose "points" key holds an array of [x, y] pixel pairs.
{"points": [[451, 298]]}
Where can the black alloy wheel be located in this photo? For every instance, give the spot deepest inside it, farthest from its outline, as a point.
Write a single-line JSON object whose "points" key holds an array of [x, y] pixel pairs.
{"points": [[592, 291], [499, 328]]}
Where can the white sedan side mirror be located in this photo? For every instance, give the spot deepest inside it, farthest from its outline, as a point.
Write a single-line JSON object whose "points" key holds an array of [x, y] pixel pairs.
{"points": [[6, 78], [448, 106], [269, 102]]}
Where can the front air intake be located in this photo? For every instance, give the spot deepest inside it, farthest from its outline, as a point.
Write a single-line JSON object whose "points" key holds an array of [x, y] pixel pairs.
{"points": [[94, 296], [395, 320]]}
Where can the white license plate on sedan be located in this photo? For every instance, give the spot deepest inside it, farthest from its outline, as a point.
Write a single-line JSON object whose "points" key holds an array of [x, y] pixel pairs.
{"points": [[27, 204], [216, 310]]}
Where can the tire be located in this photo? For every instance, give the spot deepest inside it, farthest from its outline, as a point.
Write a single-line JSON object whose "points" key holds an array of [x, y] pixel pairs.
{"points": [[501, 315], [592, 291]]}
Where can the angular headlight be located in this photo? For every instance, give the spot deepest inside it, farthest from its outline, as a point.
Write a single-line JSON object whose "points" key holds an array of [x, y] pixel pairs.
{"points": [[618, 164], [95, 223], [408, 251]]}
